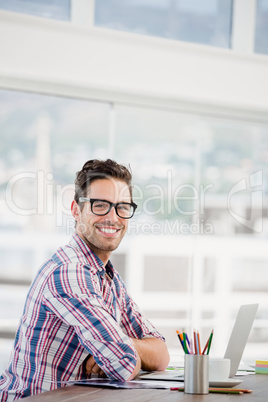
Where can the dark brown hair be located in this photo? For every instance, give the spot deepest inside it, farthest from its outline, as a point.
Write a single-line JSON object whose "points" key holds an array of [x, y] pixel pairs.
{"points": [[96, 169]]}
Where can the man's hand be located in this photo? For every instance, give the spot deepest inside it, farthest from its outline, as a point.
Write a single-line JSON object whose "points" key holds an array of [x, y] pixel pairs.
{"points": [[93, 368], [152, 354]]}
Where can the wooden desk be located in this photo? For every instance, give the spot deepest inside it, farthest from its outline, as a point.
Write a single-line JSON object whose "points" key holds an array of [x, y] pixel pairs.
{"points": [[258, 383]]}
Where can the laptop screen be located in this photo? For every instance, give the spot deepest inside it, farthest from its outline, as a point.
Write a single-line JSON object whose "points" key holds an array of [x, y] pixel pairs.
{"points": [[239, 335]]}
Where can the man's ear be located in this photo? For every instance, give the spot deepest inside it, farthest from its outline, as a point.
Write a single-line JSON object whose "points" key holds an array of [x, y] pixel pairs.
{"points": [[76, 211]]}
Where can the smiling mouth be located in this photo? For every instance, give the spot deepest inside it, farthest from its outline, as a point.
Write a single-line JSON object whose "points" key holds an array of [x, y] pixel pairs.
{"points": [[108, 230]]}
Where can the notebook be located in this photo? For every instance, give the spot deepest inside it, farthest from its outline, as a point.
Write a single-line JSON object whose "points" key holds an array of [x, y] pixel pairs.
{"points": [[234, 350]]}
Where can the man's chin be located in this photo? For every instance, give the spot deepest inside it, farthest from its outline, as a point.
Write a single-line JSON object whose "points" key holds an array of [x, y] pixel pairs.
{"points": [[110, 247], [107, 246]]}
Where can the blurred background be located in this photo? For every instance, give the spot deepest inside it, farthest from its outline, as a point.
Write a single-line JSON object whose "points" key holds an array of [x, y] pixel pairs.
{"points": [[178, 91]]}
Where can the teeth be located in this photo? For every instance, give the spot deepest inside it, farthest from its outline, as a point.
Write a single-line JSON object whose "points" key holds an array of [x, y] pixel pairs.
{"points": [[110, 231]]}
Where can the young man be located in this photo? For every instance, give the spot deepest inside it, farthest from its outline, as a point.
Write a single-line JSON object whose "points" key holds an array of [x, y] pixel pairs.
{"points": [[78, 318]]}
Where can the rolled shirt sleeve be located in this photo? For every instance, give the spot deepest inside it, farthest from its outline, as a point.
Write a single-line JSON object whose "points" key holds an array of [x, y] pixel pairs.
{"points": [[73, 294]]}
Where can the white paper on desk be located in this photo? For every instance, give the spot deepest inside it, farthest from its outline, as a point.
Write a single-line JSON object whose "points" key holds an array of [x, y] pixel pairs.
{"points": [[135, 384], [162, 384], [245, 369], [166, 375], [242, 373]]}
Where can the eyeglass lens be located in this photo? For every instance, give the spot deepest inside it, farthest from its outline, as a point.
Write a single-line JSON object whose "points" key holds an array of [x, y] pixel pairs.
{"points": [[124, 210]]}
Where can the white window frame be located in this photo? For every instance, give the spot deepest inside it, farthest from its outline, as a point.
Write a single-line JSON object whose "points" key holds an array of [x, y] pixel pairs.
{"points": [[236, 78], [243, 30], [82, 12]]}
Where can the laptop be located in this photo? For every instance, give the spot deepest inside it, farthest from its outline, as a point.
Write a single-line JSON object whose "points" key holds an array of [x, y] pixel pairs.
{"points": [[239, 335], [234, 350]]}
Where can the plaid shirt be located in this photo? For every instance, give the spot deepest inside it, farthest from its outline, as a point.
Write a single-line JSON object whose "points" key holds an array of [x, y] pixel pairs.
{"points": [[75, 307]]}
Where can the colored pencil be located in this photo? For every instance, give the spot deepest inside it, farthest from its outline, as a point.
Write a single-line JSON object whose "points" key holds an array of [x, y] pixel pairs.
{"points": [[179, 336], [187, 339], [219, 390], [198, 339], [195, 346], [191, 347], [185, 343], [205, 348], [210, 340], [230, 390]]}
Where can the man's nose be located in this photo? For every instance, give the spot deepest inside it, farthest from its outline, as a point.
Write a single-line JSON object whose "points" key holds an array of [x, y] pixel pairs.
{"points": [[112, 214]]}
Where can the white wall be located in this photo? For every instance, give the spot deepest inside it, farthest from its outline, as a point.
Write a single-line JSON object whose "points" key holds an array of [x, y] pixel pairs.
{"points": [[64, 58]]}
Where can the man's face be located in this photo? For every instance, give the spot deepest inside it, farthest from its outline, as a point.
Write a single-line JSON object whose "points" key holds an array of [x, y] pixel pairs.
{"points": [[103, 234]]}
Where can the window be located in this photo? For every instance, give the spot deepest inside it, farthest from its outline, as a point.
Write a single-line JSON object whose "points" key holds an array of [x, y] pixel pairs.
{"points": [[207, 22], [53, 9], [51, 135], [195, 170], [44, 140], [201, 192], [261, 33]]}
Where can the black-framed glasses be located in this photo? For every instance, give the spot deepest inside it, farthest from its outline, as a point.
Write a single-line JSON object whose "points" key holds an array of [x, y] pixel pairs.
{"points": [[124, 210]]}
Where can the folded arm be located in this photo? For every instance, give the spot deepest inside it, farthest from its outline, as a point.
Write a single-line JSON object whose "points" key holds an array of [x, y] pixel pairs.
{"points": [[92, 368], [153, 353]]}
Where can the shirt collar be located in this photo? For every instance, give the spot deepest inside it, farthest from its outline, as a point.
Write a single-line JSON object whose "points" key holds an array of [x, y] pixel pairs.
{"points": [[91, 257]]}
